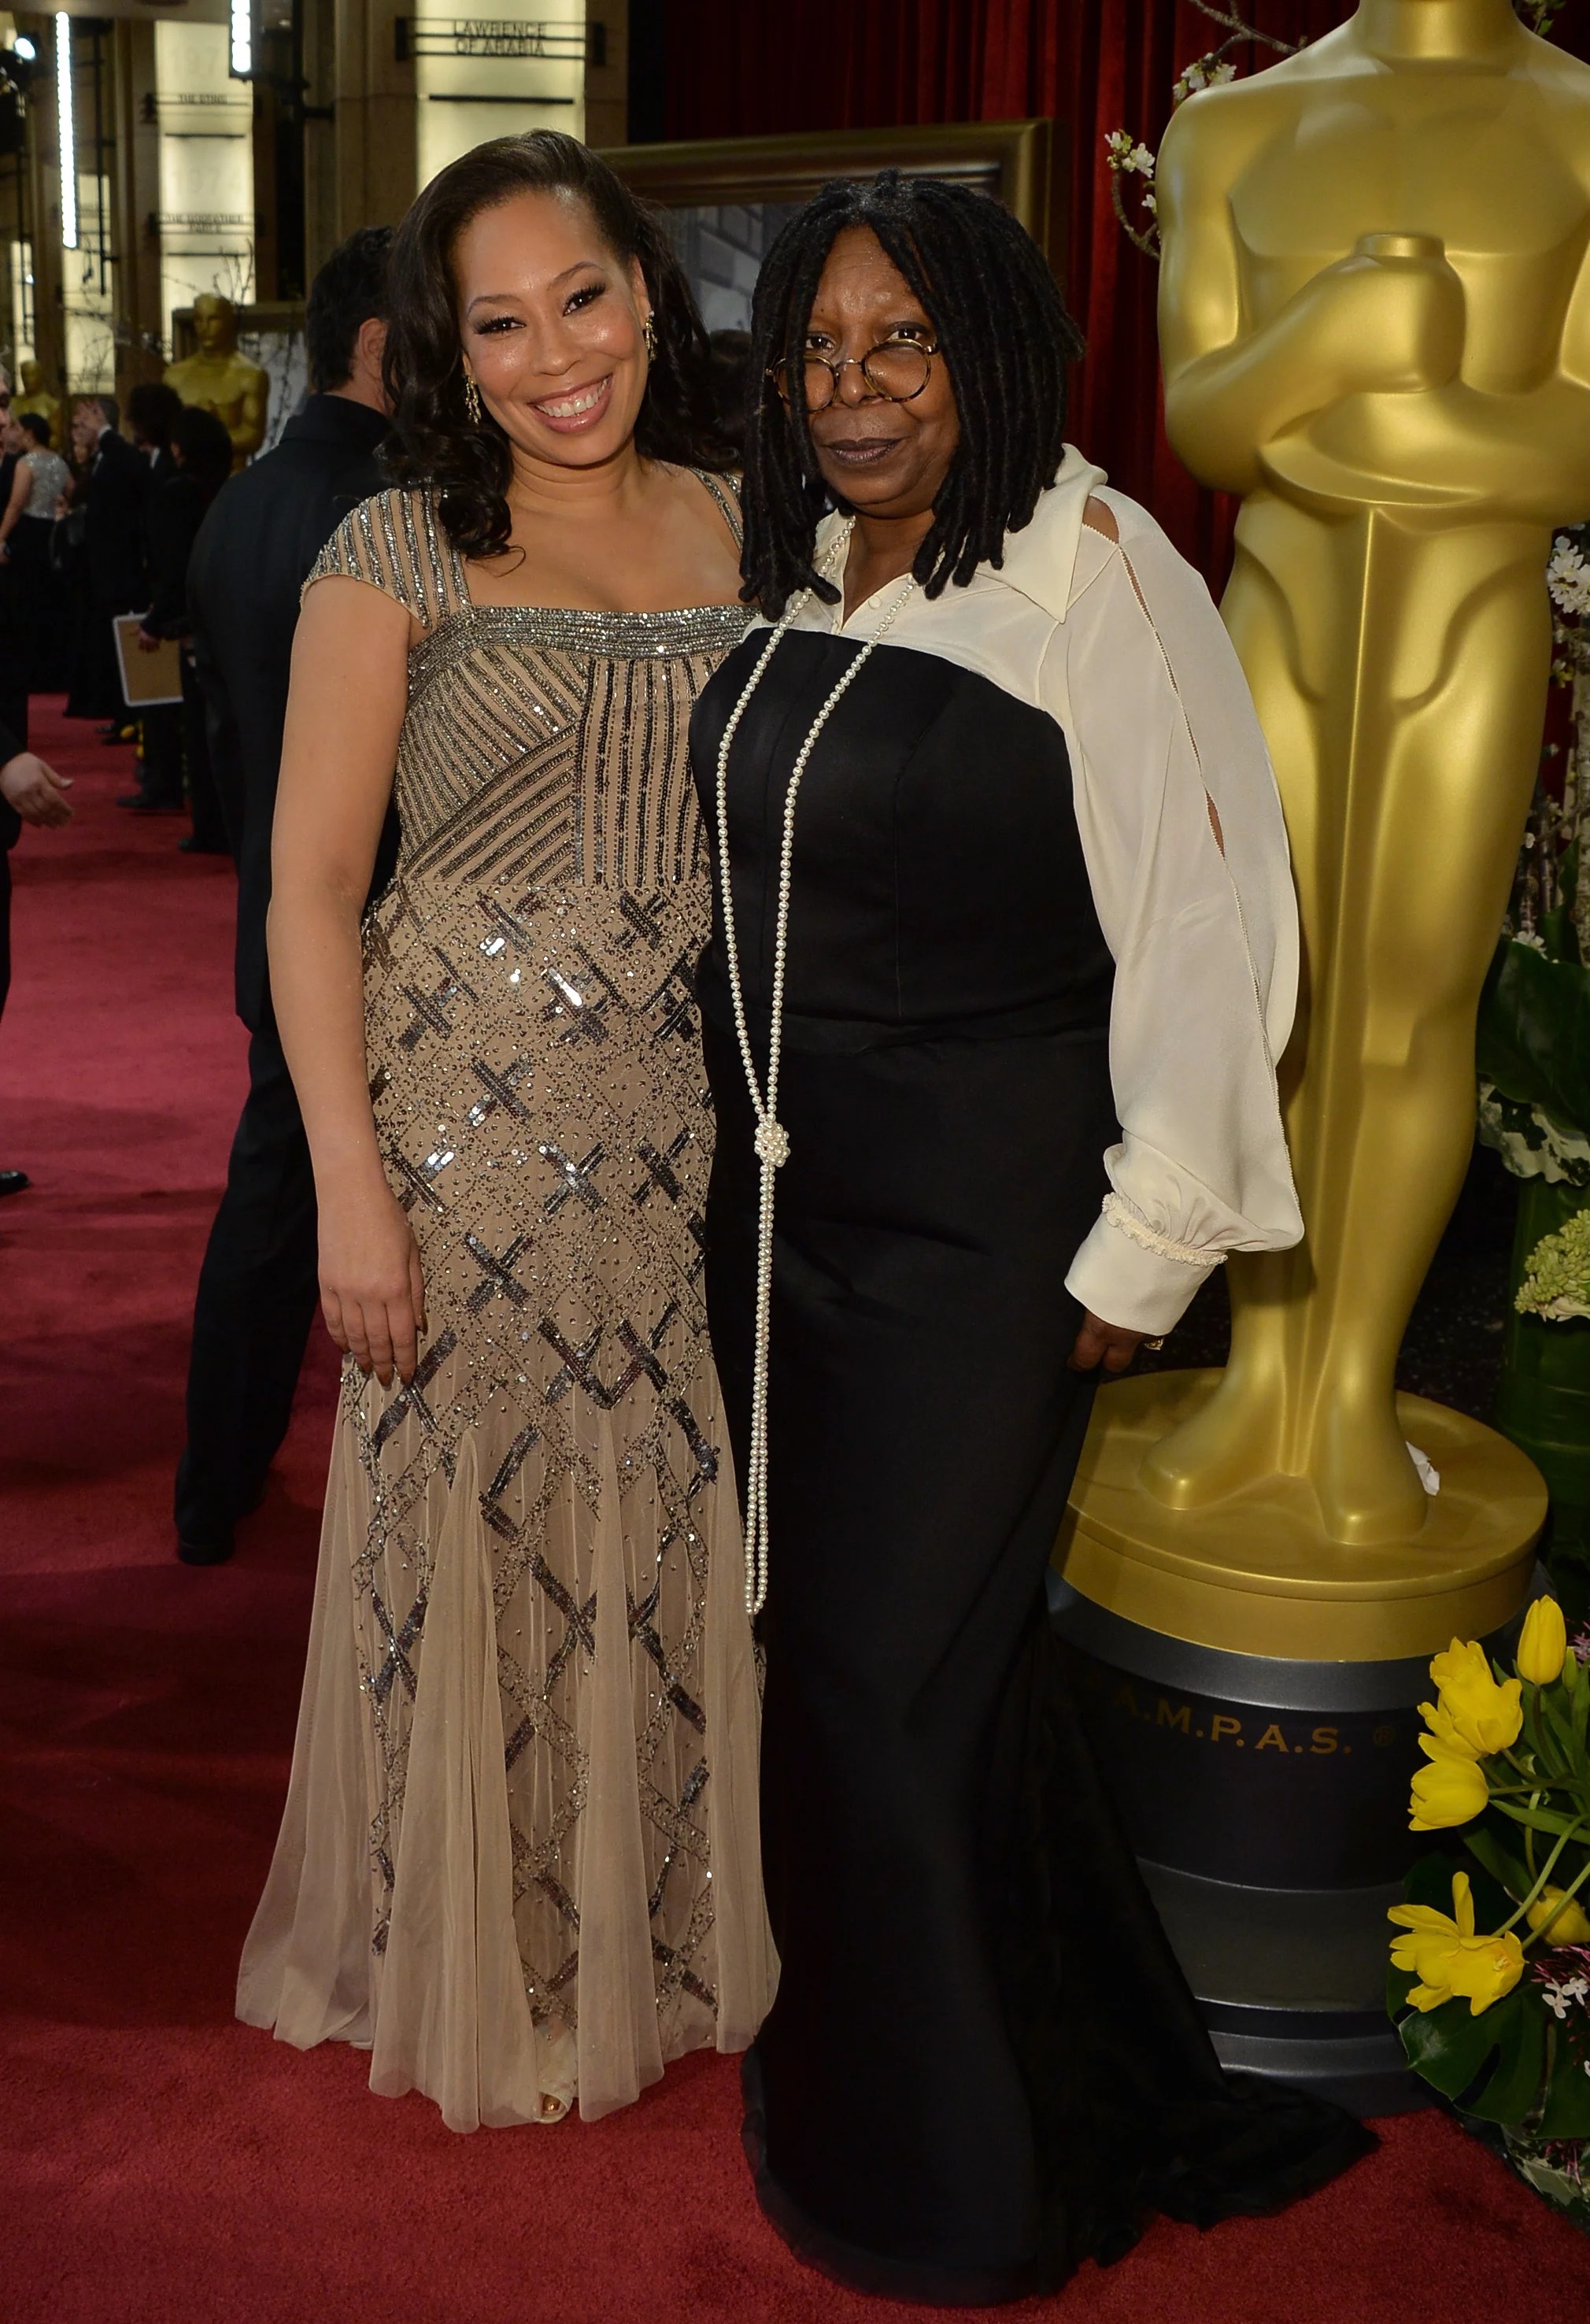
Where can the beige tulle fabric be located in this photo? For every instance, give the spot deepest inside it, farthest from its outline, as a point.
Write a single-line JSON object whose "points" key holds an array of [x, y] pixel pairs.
{"points": [[520, 1855]]}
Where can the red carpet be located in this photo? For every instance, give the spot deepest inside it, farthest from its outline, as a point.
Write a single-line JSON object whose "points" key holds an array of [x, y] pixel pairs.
{"points": [[163, 2165]]}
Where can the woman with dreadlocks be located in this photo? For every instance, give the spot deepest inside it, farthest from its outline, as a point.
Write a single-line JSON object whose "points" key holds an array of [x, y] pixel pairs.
{"points": [[990, 1027]]}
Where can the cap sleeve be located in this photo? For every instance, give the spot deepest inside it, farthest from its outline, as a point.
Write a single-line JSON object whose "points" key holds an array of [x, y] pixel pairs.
{"points": [[395, 542]]}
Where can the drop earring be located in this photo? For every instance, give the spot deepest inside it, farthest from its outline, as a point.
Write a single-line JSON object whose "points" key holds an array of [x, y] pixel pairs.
{"points": [[649, 330], [471, 400]]}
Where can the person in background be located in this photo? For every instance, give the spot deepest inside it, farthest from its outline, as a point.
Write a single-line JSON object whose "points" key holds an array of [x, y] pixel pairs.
{"points": [[40, 484], [30, 792], [259, 1286], [200, 453], [730, 361], [151, 414], [152, 410], [13, 675], [115, 580]]}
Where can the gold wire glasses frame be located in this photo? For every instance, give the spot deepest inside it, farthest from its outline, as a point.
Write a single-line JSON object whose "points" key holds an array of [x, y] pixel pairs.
{"points": [[897, 370]]}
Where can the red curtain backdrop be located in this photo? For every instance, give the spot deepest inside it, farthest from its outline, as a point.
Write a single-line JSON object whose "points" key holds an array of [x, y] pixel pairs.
{"points": [[745, 69]]}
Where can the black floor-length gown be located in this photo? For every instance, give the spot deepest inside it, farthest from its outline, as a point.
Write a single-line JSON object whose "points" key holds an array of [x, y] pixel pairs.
{"points": [[983, 2064]]}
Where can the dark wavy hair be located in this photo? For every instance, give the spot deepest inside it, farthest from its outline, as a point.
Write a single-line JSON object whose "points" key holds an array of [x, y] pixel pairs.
{"points": [[1006, 339], [438, 444], [349, 289]]}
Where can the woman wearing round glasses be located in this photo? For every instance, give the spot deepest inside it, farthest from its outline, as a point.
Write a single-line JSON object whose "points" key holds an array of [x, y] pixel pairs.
{"points": [[990, 1030]]}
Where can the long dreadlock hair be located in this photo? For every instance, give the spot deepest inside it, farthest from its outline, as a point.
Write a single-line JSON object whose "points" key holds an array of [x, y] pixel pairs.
{"points": [[1004, 335]]}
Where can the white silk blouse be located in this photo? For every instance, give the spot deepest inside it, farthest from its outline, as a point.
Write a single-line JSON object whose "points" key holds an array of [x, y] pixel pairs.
{"points": [[1119, 642]]}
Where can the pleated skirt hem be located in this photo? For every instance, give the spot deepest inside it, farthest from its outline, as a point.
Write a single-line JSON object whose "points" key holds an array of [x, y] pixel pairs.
{"points": [[425, 1969]]}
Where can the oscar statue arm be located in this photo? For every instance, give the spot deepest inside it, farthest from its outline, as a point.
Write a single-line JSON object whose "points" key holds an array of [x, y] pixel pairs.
{"points": [[249, 432], [1232, 386], [1517, 454]]}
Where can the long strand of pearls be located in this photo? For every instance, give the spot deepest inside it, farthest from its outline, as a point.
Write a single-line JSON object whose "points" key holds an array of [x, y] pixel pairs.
{"points": [[772, 1139]]}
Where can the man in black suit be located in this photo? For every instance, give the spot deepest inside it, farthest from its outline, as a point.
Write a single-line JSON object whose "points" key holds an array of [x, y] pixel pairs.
{"points": [[151, 413], [30, 792], [153, 410], [115, 492], [259, 1286]]}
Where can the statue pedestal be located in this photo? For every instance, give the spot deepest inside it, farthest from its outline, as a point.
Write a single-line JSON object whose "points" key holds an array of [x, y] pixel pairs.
{"points": [[1253, 1691]]}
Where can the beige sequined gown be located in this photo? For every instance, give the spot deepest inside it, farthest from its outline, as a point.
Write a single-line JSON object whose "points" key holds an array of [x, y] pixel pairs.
{"points": [[519, 1858]]}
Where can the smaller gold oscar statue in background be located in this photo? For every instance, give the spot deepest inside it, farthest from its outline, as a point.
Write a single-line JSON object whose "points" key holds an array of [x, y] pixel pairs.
{"points": [[36, 397], [220, 380]]}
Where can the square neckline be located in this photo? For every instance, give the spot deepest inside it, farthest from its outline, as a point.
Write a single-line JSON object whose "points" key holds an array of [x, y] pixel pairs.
{"points": [[727, 499]]}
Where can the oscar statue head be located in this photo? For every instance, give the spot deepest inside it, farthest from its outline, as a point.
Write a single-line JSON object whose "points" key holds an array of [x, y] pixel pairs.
{"points": [[215, 324]]}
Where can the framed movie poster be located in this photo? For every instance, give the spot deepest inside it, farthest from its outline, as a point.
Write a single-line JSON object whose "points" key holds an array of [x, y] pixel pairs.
{"points": [[725, 200]]}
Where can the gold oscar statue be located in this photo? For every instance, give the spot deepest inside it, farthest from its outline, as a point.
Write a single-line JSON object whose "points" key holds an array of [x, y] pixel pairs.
{"points": [[1375, 327], [220, 380], [36, 397]]}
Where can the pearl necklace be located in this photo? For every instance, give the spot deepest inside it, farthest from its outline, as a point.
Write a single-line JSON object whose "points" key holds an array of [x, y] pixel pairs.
{"points": [[772, 1139]]}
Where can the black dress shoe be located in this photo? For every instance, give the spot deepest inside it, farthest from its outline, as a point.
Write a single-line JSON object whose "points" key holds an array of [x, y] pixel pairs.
{"points": [[12, 1182], [205, 1549], [214, 1545]]}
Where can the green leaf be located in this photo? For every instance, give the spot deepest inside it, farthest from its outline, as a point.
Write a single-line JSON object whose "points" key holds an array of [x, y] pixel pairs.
{"points": [[1560, 937], [1566, 2113], [1533, 1036], [1537, 1819], [1449, 2047], [1399, 1984], [1487, 1850], [1513, 2090], [1561, 1729]]}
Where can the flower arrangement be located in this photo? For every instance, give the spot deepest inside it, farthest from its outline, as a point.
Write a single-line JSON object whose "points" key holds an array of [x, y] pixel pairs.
{"points": [[1130, 159], [1532, 1052], [1533, 1044], [1489, 1969], [1557, 1285]]}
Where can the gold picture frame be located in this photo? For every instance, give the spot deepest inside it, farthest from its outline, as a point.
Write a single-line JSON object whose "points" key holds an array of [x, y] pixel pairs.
{"points": [[729, 195]]}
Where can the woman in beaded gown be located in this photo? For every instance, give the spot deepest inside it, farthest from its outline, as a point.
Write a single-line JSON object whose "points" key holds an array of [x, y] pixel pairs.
{"points": [[1004, 950], [519, 1859]]}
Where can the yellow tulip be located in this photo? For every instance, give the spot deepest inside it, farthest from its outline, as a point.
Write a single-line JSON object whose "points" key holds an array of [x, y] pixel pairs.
{"points": [[1571, 1925], [1543, 1649], [1451, 1790], [1448, 1960], [1481, 1715], [1449, 1737]]}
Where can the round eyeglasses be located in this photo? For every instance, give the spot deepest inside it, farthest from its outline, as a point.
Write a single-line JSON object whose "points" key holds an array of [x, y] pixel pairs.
{"points": [[897, 370]]}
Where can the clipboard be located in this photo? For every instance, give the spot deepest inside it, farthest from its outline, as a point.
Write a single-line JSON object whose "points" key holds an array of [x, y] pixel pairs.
{"points": [[148, 679]]}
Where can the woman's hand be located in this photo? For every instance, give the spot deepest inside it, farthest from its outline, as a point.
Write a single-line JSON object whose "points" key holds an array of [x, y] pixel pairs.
{"points": [[371, 1288], [1098, 1343]]}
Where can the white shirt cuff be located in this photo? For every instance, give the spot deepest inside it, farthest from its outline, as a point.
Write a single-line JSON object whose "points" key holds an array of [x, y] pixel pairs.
{"points": [[1123, 1282]]}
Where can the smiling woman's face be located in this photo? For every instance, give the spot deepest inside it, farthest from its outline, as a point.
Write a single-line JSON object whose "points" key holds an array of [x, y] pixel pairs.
{"points": [[886, 459], [553, 328]]}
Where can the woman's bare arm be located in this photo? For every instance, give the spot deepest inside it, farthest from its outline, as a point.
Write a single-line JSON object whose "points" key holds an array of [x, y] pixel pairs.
{"points": [[22, 485], [343, 717]]}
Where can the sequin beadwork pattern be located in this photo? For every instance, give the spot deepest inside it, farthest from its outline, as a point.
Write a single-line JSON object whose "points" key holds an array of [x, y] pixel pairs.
{"points": [[542, 1113]]}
